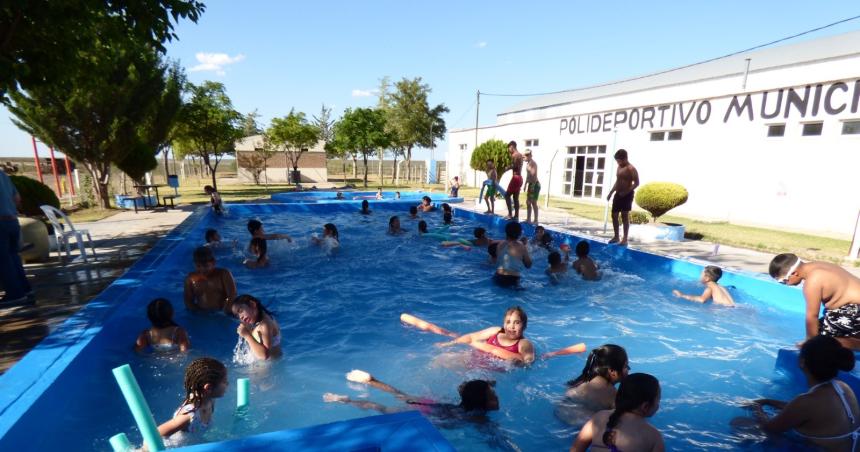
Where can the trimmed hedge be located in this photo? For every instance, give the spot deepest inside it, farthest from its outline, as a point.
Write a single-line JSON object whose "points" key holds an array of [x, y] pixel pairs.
{"points": [[660, 197], [495, 150], [637, 217], [34, 194]]}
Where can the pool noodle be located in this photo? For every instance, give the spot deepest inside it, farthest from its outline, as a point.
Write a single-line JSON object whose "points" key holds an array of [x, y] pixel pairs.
{"points": [[138, 406], [243, 392], [499, 189], [119, 443], [436, 235]]}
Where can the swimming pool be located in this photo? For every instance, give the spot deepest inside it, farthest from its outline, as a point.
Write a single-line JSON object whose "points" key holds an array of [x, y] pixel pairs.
{"points": [[339, 312], [327, 196]]}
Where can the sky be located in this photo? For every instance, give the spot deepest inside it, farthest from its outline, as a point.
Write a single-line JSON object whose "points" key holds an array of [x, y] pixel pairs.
{"points": [[276, 55]]}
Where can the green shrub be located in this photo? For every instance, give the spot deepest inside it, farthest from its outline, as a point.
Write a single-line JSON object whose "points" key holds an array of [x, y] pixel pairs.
{"points": [[637, 217], [660, 197], [495, 150], [34, 194]]}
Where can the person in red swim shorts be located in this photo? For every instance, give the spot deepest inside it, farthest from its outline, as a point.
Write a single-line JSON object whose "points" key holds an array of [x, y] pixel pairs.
{"points": [[516, 183]]}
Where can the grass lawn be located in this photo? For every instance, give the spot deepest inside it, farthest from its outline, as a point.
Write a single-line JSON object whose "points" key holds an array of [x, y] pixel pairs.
{"points": [[91, 214]]}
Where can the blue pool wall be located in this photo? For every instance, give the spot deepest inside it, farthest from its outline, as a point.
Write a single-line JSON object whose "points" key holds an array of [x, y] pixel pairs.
{"points": [[324, 197], [34, 386]]}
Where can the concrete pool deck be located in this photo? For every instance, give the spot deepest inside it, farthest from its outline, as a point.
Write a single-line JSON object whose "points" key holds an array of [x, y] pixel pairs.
{"points": [[123, 238]]}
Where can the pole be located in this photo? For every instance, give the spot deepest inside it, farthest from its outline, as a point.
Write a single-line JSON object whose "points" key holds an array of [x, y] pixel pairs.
{"points": [[69, 174], [549, 180], [36, 158], [477, 114], [854, 253], [606, 208], [746, 73], [54, 169]]}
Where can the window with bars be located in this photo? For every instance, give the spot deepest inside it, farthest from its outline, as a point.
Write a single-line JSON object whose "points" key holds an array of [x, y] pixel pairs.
{"points": [[584, 171]]}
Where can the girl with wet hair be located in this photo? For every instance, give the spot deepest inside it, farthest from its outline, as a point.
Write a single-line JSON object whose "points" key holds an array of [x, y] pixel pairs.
{"points": [[259, 249], [626, 427], [594, 389], [165, 335], [205, 381], [257, 327]]}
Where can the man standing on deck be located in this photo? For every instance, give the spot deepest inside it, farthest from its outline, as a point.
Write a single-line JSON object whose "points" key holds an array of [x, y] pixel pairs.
{"points": [[532, 187], [626, 181], [516, 183], [828, 285], [11, 270]]}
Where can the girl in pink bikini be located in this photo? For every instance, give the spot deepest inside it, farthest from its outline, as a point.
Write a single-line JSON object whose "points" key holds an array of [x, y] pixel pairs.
{"points": [[505, 343]]}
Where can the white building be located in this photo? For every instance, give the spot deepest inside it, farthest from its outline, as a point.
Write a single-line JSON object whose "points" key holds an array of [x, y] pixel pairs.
{"points": [[769, 137], [312, 163]]}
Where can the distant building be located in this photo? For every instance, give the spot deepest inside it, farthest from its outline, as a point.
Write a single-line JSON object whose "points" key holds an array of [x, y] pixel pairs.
{"points": [[769, 137], [312, 164]]}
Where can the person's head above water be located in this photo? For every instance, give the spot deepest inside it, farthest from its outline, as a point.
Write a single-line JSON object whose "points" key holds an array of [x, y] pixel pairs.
{"points": [[208, 189], [822, 357], [711, 273], [608, 361], [394, 223], [638, 393], [212, 236], [413, 210], [544, 239], [582, 249], [478, 395], [513, 230], [783, 268], [447, 218], [422, 226], [254, 226], [515, 322], [554, 258], [426, 200], [205, 378], [160, 313], [330, 230], [204, 259], [445, 207], [480, 233], [249, 309], [365, 206]]}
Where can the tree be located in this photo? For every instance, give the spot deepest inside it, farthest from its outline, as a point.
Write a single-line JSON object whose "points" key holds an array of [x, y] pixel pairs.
{"points": [[42, 41], [362, 131], [495, 150], [325, 124], [250, 126], [208, 126], [109, 114], [411, 119], [257, 161], [293, 135]]}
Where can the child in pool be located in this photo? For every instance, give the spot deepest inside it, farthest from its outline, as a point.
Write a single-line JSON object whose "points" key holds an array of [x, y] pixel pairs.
{"points": [[425, 205], [594, 389], [397, 195], [214, 199], [208, 288], [257, 327], [339, 195], [507, 342], [557, 267], [394, 226], [512, 257], [713, 291], [476, 397], [447, 219], [446, 207], [827, 415], [541, 238], [329, 236], [255, 227], [583, 264], [205, 381], [165, 335], [365, 208], [259, 249], [481, 238], [413, 213], [379, 193], [626, 427]]}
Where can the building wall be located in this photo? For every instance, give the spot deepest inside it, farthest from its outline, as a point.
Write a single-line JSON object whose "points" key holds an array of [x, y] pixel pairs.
{"points": [[312, 166], [731, 168]]}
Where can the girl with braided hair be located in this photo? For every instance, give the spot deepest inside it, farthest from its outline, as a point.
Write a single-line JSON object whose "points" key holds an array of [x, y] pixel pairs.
{"points": [[205, 381], [625, 429], [594, 389]]}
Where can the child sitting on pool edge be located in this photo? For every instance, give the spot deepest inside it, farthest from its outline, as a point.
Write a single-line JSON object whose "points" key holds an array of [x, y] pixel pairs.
{"points": [[164, 335], [476, 398], [710, 275], [205, 381], [584, 265]]}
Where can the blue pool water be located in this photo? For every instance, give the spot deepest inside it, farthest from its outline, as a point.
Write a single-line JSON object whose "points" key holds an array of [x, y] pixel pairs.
{"points": [[340, 312]]}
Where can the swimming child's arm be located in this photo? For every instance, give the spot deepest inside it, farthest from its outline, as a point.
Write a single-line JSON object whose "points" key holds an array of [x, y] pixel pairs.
{"points": [[360, 376], [260, 348], [526, 356], [793, 414], [278, 237], [813, 294], [583, 440], [142, 341], [179, 422], [705, 296], [182, 339], [363, 404], [469, 338], [189, 293]]}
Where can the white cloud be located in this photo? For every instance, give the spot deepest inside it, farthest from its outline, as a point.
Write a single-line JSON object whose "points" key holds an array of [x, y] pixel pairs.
{"points": [[481, 44], [215, 62], [364, 92]]}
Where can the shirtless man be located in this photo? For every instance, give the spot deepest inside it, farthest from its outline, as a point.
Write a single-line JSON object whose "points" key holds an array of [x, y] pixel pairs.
{"points": [[532, 187], [209, 288], [490, 197], [626, 181], [824, 284], [516, 182]]}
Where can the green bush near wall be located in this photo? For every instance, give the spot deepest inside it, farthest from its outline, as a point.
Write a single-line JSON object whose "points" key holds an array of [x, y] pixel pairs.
{"points": [[660, 197], [34, 194], [637, 217]]}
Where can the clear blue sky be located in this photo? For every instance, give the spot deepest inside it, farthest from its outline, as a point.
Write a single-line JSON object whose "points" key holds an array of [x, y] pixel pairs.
{"points": [[275, 55]]}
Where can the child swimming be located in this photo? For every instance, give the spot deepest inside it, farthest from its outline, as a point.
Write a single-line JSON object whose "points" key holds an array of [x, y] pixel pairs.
{"points": [[626, 427], [512, 257], [476, 398], [425, 205], [259, 250], [394, 226], [205, 381], [481, 238], [541, 238], [329, 237], [165, 335], [713, 291], [594, 389], [208, 288], [413, 213], [379, 193], [365, 208], [507, 342], [584, 265], [557, 267], [213, 240], [447, 219], [255, 227], [259, 330], [827, 415]]}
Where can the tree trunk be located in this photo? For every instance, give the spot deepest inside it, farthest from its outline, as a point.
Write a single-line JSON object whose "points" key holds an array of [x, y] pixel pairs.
{"points": [[409, 163], [365, 169], [166, 169], [381, 160], [354, 165], [343, 162], [100, 183]]}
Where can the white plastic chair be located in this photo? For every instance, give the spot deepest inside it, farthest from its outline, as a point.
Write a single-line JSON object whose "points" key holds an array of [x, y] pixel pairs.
{"points": [[59, 220]]}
